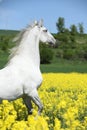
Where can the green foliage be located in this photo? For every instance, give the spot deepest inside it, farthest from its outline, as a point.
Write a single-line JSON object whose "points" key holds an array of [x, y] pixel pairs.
{"points": [[69, 54], [81, 28], [60, 24], [72, 51], [8, 32], [6, 40], [4, 43], [3, 59], [73, 29], [46, 54], [71, 47]]}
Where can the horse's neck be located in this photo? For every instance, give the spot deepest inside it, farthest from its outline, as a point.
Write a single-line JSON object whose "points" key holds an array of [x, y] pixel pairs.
{"points": [[29, 50]]}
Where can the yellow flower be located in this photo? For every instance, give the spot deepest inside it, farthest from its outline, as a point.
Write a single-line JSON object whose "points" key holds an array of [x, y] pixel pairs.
{"points": [[5, 102], [21, 125], [62, 104], [64, 97], [57, 124], [1, 123]]}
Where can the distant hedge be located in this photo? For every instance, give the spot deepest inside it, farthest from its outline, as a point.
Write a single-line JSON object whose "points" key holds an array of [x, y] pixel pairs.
{"points": [[46, 54], [71, 47]]}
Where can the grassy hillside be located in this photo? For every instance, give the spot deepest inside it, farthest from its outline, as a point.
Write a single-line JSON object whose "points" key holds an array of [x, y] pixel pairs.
{"points": [[81, 38], [8, 32]]}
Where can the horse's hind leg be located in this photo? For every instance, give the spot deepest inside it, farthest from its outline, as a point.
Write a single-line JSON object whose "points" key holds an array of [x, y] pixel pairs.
{"points": [[34, 96], [27, 101]]}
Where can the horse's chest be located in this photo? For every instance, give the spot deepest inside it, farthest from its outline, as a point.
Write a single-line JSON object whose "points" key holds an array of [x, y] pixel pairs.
{"points": [[33, 80], [38, 79]]}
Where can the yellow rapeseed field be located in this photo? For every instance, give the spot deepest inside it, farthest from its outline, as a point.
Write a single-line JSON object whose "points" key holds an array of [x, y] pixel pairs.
{"points": [[65, 106]]}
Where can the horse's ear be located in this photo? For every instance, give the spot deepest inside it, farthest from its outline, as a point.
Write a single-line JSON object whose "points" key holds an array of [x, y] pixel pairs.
{"points": [[40, 23], [36, 22]]}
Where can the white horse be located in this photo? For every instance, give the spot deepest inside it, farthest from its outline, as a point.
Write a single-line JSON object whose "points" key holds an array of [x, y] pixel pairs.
{"points": [[21, 77]]}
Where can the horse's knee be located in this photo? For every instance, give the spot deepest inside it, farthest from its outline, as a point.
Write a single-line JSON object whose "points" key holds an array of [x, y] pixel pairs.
{"points": [[41, 107], [35, 98]]}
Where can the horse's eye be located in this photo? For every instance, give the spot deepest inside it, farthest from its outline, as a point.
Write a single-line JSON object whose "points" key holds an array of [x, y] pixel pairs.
{"points": [[45, 30]]}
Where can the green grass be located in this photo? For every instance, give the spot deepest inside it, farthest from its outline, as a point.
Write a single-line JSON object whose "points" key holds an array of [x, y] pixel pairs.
{"points": [[64, 68]]}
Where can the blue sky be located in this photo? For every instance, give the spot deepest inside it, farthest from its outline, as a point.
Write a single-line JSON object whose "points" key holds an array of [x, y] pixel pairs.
{"points": [[16, 14]]}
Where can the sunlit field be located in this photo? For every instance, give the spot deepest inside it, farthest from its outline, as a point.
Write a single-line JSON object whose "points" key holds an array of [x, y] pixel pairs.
{"points": [[65, 105]]}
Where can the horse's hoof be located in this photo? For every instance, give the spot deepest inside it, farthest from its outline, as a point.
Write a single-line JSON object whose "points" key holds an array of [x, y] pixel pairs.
{"points": [[30, 113]]}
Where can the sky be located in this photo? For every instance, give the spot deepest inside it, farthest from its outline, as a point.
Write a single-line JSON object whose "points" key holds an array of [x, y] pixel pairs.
{"points": [[16, 14]]}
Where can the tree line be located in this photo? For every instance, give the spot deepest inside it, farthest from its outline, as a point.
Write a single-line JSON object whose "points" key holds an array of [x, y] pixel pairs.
{"points": [[60, 24], [72, 42]]}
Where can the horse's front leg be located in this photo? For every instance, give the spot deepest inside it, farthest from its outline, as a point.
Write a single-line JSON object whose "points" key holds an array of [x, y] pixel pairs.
{"points": [[34, 96]]}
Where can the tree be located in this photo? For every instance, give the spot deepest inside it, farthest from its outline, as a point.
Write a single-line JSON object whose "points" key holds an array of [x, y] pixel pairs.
{"points": [[81, 28], [73, 29], [60, 24]]}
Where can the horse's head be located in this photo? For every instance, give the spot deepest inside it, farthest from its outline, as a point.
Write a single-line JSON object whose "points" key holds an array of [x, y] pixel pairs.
{"points": [[44, 35]]}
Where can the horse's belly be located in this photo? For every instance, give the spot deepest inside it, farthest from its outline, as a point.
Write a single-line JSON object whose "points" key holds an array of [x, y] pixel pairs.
{"points": [[10, 87], [11, 94]]}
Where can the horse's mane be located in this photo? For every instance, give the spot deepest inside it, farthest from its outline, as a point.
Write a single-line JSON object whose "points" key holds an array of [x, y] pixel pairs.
{"points": [[19, 37]]}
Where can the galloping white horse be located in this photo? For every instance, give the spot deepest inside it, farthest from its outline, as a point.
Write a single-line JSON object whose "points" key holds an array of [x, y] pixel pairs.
{"points": [[22, 76]]}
